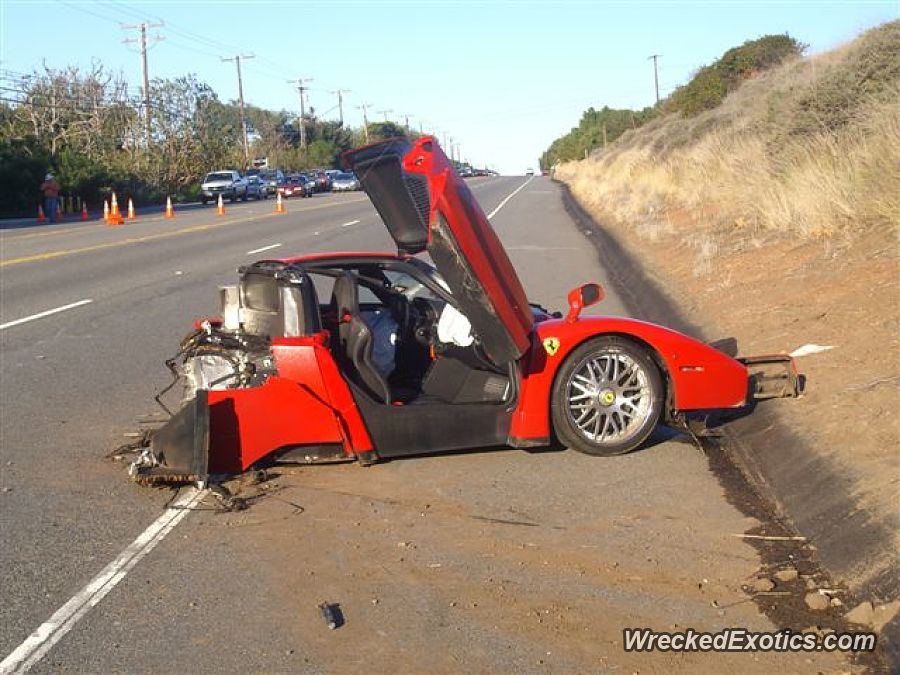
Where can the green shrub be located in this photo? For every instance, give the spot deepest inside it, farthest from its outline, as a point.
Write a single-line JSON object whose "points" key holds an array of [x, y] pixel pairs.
{"points": [[712, 83]]}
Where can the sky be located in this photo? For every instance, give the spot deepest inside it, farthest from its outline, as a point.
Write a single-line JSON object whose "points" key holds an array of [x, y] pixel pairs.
{"points": [[503, 79]]}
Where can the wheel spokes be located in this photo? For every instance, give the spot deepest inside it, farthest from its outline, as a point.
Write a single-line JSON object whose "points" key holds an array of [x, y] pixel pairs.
{"points": [[608, 396]]}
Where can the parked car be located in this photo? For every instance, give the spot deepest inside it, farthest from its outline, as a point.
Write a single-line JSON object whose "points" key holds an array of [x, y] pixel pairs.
{"points": [[529, 171], [345, 182], [228, 184], [256, 188], [379, 372], [273, 178], [295, 186], [323, 181]]}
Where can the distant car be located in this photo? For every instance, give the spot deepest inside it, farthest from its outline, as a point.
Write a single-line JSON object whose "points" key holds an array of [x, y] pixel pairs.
{"points": [[295, 186], [273, 178], [466, 172], [256, 188], [226, 184], [345, 182], [323, 181], [529, 171]]}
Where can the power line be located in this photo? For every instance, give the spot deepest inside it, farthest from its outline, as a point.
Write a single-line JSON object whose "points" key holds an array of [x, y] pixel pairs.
{"points": [[365, 109], [237, 59], [340, 94], [142, 27], [300, 81], [655, 58]]}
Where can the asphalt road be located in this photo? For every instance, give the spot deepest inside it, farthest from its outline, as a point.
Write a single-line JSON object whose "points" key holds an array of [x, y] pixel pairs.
{"points": [[645, 539]]}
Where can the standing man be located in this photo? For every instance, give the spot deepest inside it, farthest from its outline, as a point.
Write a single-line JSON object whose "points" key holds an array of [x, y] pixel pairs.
{"points": [[51, 196]]}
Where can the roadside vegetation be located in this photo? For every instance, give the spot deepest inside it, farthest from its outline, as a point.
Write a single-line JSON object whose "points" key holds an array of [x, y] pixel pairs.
{"points": [[90, 131], [807, 146]]}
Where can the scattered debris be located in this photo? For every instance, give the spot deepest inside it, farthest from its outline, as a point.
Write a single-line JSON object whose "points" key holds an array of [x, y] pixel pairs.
{"points": [[767, 537], [806, 350], [762, 585], [817, 601], [786, 575], [332, 614]]}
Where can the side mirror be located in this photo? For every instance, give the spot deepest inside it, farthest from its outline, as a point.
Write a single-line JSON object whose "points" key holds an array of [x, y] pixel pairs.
{"points": [[581, 297]]}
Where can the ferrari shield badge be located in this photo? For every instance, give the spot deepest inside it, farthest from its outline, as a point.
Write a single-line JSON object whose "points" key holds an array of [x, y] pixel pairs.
{"points": [[551, 345]]}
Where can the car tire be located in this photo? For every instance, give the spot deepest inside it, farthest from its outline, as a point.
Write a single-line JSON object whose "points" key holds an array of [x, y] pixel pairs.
{"points": [[607, 398], [204, 201], [232, 199]]}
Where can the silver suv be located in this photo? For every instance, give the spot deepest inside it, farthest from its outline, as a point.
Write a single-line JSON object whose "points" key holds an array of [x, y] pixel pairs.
{"points": [[229, 184]]}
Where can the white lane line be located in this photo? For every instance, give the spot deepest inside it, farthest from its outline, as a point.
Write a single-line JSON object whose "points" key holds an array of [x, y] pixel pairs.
{"points": [[264, 248], [352, 222], [41, 315], [510, 196], [36, 645]]}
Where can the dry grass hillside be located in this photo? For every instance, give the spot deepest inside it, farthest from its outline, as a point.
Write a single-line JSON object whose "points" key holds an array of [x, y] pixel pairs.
{"points": [[775, 218]]}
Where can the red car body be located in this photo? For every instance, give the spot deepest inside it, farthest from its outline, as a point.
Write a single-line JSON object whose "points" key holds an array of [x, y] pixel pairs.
{"points": [[305, 390]]}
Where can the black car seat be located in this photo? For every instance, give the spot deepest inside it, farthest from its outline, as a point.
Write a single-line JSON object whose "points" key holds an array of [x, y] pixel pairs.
{"points": [[355, 337]]}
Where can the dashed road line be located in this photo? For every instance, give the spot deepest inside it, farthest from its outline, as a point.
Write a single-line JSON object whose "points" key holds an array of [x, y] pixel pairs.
{"points": [[159, 235], [352, 222], [508, 197], [264, 248], [41, 315], [41, 641]]}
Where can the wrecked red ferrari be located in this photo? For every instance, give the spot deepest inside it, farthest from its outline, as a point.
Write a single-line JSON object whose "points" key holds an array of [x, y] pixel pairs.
{"points": [[409, 357]]}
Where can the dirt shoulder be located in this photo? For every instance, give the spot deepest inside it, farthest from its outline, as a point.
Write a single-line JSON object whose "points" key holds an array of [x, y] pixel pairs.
{"points": [[829, 460]]}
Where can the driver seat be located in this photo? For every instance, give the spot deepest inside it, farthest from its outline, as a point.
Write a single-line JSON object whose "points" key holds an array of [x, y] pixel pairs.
{"points": [[355, 338]]}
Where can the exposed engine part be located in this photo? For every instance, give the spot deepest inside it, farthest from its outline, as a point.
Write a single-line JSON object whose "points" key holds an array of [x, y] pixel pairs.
{"points": [[214, 358]]}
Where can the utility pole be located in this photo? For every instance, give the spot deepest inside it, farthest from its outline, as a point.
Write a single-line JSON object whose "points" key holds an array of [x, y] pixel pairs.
{"points": [[406, 122], [365, 108], [655, 58], [143, 42], [604, 135], [385, 113], [340, 94], [237, 59], [450, 148], [300, 81]]}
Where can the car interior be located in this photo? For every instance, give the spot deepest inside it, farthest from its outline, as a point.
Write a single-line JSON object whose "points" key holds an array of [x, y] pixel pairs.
{"points": [[383, 326]]}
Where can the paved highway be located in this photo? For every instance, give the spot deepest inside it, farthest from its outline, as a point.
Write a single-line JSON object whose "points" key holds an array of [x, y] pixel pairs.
{"points": [[474, 561]]}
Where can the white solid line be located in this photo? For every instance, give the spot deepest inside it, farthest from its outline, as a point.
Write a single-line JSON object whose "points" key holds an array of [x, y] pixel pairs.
{"points": [[352, 222], [510, 196], [36, 645], [41, 315], [264, 248]]}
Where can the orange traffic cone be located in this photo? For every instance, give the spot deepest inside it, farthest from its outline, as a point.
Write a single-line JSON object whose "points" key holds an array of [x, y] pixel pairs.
{"points": [[220, 208], [41, 216], [170, 212], [106, 210], [279, 205], [115, 218], [131, 214], [84, 213]]}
